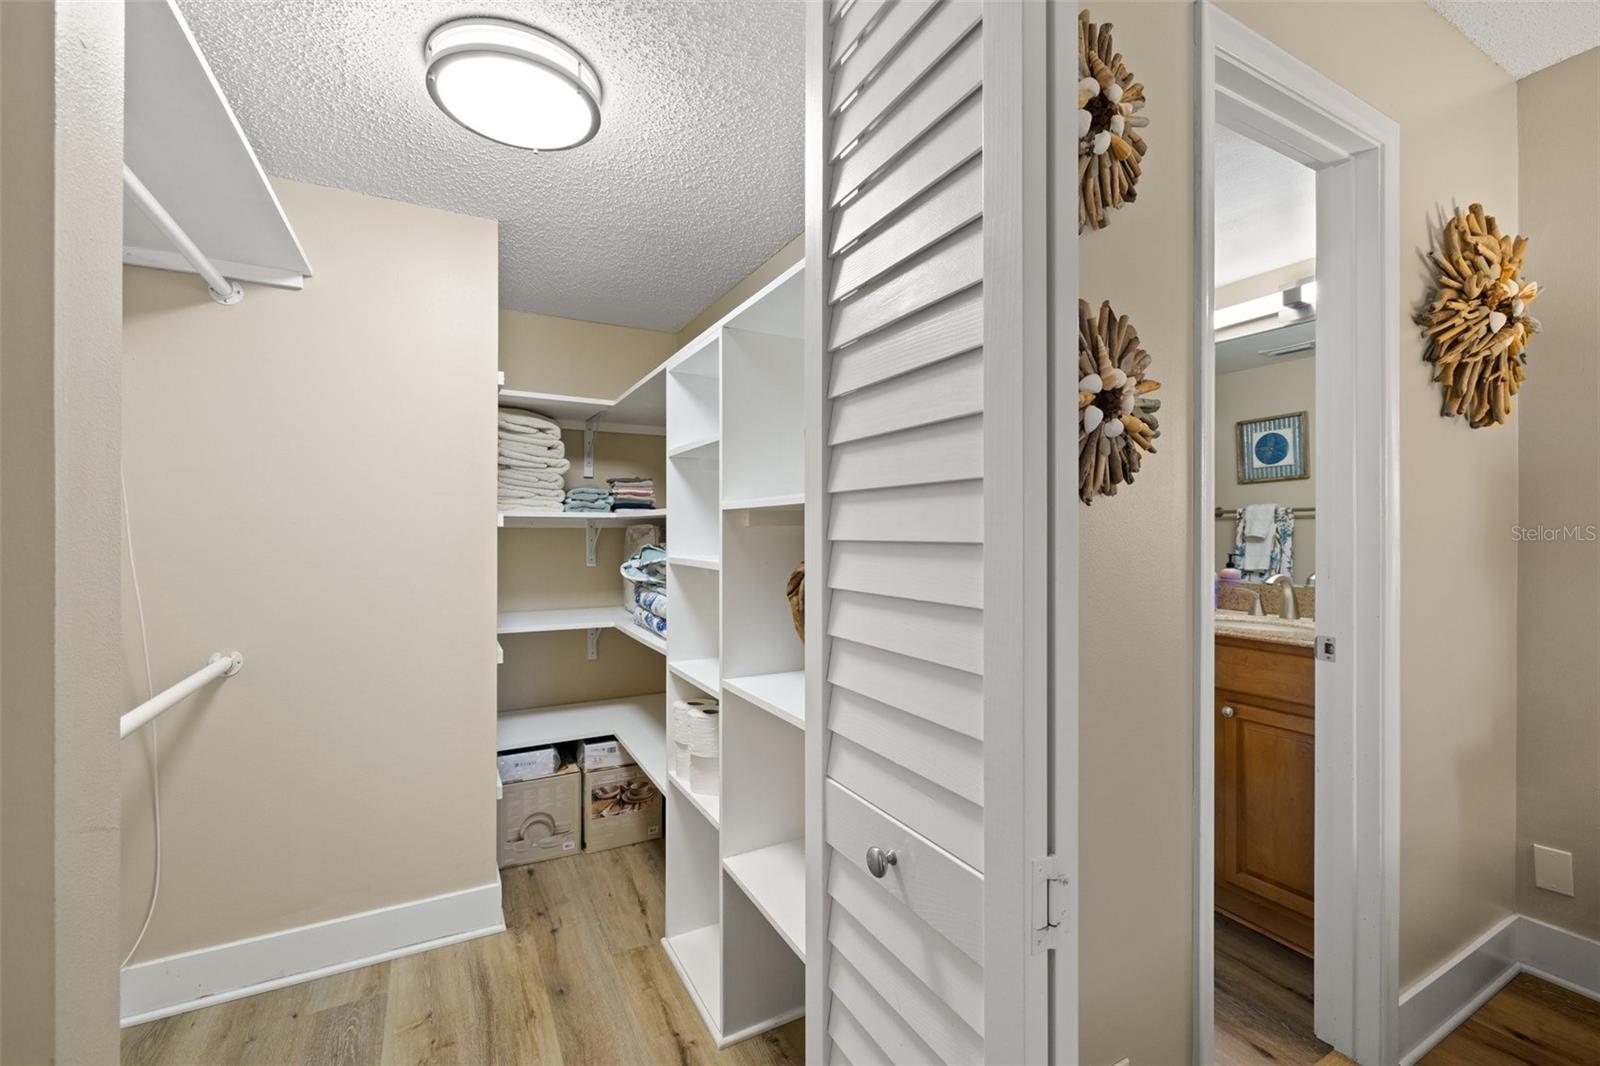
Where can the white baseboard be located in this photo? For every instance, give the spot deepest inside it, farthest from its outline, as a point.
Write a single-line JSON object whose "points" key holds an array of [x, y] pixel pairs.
{"points": [[208, 976], [1434, 1006]]}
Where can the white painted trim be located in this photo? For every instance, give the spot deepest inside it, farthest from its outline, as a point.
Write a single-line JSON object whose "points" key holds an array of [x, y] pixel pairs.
{"points": [[208, 976], [1560, 957], [1433, 1007], [1289, 106], [1061, 172]]}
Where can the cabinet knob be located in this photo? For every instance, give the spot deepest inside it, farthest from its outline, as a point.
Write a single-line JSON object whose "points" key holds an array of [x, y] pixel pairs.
{"points": [[879, 861], [1227, 712]]}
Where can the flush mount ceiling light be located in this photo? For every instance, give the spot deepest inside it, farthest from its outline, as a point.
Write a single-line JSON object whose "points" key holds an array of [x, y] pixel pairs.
{"points": [[512, 83]]}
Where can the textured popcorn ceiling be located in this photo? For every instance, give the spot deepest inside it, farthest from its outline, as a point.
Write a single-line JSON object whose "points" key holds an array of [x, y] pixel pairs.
{"points": [[1524, 36], [695, 178]]}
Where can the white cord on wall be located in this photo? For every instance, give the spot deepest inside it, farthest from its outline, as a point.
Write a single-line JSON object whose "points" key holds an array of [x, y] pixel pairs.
{"points": [[155, 740]]}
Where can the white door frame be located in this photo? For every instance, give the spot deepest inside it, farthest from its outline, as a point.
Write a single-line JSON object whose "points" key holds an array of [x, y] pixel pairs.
{"points": [[1256, 88]]}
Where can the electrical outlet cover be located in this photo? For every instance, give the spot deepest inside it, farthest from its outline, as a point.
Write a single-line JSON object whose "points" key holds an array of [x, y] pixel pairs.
{"points": [[1552, 870]]}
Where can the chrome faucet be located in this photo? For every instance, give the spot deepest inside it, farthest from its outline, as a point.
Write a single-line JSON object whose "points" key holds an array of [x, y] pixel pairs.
{"points": [[1286, 605]]}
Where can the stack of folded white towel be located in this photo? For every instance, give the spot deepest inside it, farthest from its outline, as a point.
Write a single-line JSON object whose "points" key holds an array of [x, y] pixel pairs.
{"points": [[533, 462]]}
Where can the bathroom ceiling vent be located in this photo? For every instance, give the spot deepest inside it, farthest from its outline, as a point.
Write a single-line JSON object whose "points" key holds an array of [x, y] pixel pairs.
{"points": [[513, 84]]}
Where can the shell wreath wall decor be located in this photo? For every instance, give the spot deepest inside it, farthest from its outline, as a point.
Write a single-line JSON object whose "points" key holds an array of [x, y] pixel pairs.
{"points": [[1116, 413], [1477, 325], [1110, 149]]}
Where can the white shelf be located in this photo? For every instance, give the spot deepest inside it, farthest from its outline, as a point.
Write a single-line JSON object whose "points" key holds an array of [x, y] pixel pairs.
{"points": [[698, 562], [775, 880], [697, 956], [783, 695], [184, 144], [710, 806], [764, 503], [641, 409], [566, 619], [639, 722], [631, 629], [703, 448], [702, 673], [521, 518]]}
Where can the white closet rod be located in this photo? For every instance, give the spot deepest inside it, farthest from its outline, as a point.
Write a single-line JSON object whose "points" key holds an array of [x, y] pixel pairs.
{"points": [[221, 665], [222, 290]]}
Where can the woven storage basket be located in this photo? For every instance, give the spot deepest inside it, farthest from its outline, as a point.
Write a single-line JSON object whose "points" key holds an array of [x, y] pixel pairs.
{"points": [[796, 592]]}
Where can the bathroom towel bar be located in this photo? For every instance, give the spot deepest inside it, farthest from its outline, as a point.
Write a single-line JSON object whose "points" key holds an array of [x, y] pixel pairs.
{"points": [[1298, 512], [220, 665]]}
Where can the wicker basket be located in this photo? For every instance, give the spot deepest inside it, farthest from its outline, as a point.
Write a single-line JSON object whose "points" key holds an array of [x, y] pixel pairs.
{"points": [[796, 592]]}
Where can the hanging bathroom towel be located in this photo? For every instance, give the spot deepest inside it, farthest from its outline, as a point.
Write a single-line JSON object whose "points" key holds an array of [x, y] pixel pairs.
{"points": [[1275, 554], [1255, 534]]}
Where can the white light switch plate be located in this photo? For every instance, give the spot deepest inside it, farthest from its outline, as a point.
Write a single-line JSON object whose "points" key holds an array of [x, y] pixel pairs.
{"points": [[1552, 869]]}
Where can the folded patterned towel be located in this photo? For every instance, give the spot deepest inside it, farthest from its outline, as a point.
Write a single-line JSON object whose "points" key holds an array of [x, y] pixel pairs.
{"points": [[650, 599], [533, 448], [530, 476], [591, 492], [649, 621]]}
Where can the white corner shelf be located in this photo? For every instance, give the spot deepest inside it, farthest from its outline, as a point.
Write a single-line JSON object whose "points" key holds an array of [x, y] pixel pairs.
{"points": [[774, 878], [709, 806], [185, 146], [638, 722], [566, 619], [701, 448], [697, 562], [789, 501], [640, 409], [703, 674], [783, 695], [697, 956], [522, 518]]}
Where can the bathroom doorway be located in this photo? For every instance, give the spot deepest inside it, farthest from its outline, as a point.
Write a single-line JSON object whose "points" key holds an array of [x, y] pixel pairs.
{"points": [[1296, 753], [1265, 509]]}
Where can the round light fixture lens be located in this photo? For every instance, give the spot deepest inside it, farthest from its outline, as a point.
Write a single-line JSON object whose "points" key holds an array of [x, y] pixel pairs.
{"points": [[513, 84]]}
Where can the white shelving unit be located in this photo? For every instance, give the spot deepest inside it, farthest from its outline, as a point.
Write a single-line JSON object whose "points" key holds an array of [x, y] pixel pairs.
{"points": [[736, 498], [639, 723]]}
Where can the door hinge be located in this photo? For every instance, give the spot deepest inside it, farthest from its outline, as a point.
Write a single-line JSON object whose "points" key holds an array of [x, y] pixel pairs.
{"points": [[1050, 911]]}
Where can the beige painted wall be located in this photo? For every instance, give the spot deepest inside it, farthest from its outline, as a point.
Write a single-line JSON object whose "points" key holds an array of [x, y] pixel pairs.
{"points": [[547, 353], [1276, 389], [310, 476], [1136, 830], [60, 387], [1458, 562], [1558, 615], [781, 260]]}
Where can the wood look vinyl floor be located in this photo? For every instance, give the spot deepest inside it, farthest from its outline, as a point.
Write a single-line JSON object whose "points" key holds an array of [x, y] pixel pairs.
{"points": [[1263, 993], [1528, 1021], [578, 977]]}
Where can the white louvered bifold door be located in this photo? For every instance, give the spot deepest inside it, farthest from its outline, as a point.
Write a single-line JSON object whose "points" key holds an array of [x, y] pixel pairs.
{"points": [[928, 520]]}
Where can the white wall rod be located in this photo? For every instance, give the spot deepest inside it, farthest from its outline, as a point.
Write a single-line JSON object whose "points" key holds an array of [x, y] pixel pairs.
{"points": [[222, 290], [220, 665]]}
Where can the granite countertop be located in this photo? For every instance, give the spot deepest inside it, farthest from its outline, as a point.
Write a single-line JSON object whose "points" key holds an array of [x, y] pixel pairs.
{"points": [[1300, 632]]}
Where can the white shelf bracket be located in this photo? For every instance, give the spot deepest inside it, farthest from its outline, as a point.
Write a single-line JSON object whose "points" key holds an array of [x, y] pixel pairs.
{"points": [[591, 537], [588, 447], [594, 643]]}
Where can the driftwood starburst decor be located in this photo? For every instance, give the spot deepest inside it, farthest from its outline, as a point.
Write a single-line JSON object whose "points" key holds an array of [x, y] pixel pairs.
{"points": [[1477, 325], [1116, 413], [1110, 149]]}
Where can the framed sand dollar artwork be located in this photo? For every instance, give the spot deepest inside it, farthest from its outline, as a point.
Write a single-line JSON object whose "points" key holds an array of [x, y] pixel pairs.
{"points": [[1272, 449]]}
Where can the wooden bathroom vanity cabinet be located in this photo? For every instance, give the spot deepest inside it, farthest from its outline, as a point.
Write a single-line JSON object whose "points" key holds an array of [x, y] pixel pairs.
{"points": [[1266, 781]]}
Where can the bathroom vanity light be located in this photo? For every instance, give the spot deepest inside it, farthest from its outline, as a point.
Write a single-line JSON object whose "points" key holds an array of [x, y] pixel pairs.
{"points": [[512, 83]]}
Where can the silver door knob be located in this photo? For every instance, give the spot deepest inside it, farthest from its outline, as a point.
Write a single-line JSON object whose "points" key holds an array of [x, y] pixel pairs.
{"points": [[879, 861], [1227, 712]]}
